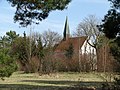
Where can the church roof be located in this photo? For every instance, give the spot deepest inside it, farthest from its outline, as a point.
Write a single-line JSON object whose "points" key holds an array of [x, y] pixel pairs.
{"points": [[77, 43]]}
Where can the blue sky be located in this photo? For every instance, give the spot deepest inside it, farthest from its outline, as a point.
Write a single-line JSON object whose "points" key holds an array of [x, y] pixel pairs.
{"points": [[76, 12]]}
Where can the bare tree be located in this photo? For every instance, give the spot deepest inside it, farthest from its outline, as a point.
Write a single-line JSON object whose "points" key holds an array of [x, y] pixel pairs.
{"points": [[50, 38], [88, 27]]}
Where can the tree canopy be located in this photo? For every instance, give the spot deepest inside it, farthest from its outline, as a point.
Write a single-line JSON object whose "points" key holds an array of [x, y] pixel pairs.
{"points": [[111, 21], [33, 11], [115, 3]]}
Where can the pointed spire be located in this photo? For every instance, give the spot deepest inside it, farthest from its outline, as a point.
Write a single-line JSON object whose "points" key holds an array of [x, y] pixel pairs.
{"points": [[66, 32]]}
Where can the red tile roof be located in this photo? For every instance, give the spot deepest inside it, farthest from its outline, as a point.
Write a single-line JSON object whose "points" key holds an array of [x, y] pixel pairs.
{"points": [[75, 41]]}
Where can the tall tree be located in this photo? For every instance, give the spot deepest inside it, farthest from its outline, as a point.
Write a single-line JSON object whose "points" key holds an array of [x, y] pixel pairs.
{"points": [[111, 27], [49, 39], [28, 11], [20, 49], [88, 27], [40, 55]]}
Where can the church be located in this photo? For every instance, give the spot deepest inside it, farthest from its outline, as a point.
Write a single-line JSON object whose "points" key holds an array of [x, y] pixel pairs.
{"points": [[75, 52]]}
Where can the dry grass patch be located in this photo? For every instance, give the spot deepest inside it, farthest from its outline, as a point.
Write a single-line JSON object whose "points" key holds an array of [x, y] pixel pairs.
{"points": [[62, 79]]}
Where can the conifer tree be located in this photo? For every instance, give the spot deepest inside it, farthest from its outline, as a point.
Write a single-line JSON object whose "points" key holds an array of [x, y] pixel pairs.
{"points": [[33, 11]]}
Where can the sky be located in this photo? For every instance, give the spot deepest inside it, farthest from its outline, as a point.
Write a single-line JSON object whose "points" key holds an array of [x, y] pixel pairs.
{"points": [[77, 10]]}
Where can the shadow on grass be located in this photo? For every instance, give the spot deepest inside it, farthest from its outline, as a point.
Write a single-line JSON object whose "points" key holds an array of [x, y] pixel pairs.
{"points": [[53, 85], [66, 83], [32, 87]]}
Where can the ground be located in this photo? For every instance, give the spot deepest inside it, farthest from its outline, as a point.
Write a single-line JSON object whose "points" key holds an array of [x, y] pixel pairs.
{"points": [[55, 81]]}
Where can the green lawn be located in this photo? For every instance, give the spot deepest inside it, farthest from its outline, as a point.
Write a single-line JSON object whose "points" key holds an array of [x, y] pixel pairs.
{"points": [[63, 79]]}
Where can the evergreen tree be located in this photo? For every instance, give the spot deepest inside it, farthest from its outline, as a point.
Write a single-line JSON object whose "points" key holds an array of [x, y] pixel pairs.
{"points": [[7, 64], [111, 28], [28, 11], [11, 35], [69, 51], [7, 60]]}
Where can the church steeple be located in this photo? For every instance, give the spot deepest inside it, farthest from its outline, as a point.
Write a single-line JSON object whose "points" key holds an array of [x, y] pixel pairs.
{"points": [[66, 32]]}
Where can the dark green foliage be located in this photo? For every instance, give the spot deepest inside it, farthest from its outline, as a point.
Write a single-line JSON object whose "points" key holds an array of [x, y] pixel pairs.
{"points": [[28, 11], [7, 60], [19, 49], [7, 64], [69, 52], [11, 35], [115, 49], [26, 49], [115, 3], [111, 25], [111, 21]]}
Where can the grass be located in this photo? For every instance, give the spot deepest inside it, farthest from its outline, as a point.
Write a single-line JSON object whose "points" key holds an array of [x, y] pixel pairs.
{"points": [[63, 79]]}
